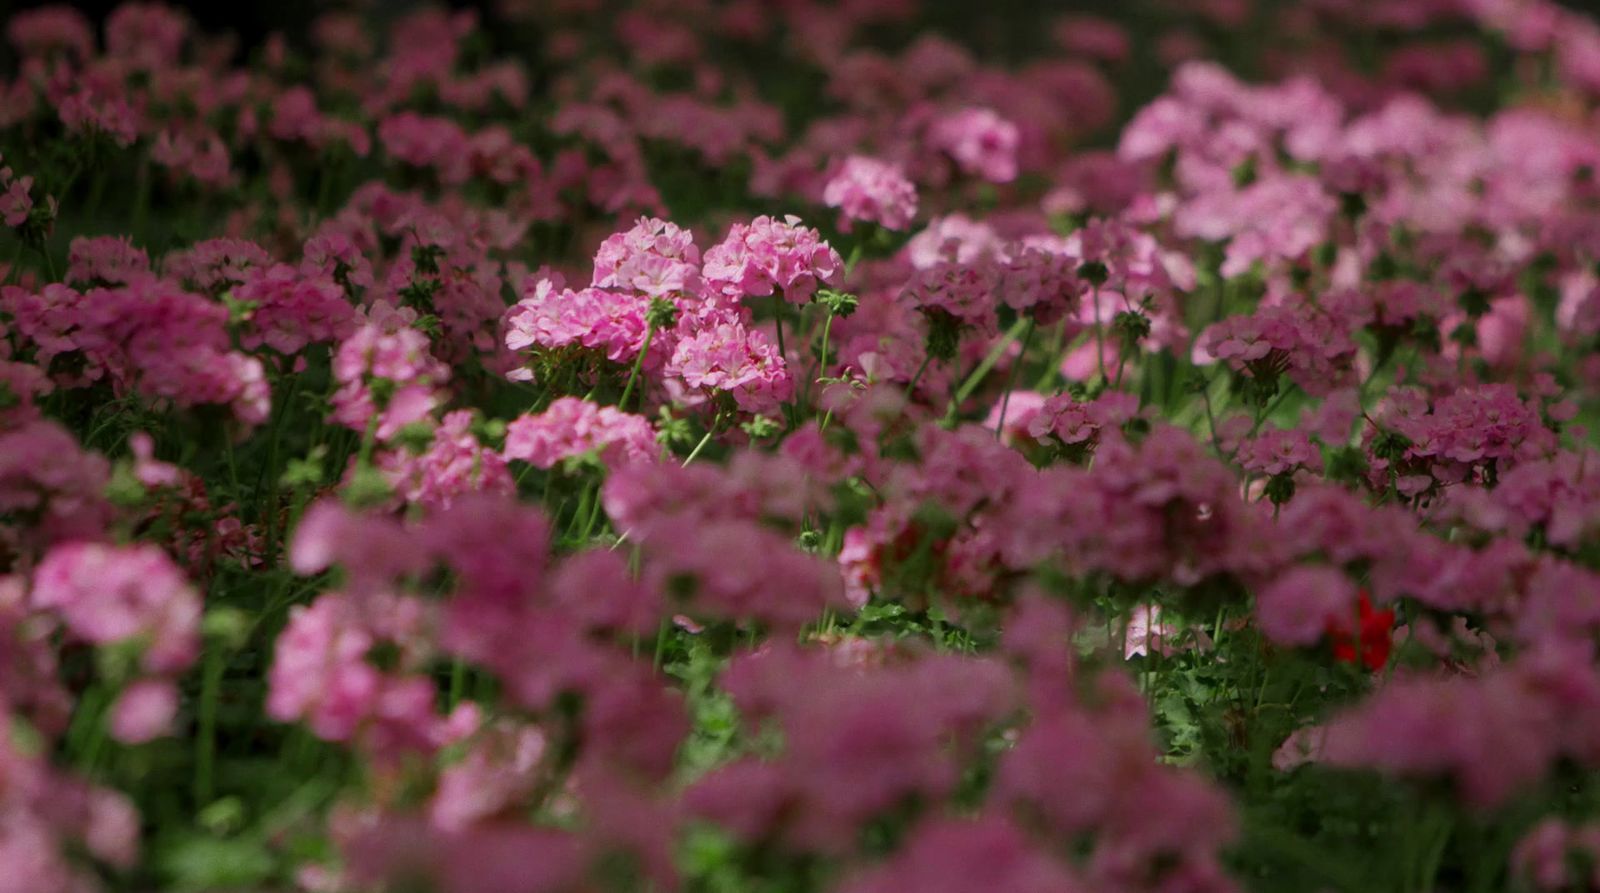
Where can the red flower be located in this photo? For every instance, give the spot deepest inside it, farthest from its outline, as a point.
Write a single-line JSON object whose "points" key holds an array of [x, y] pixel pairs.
{"points": [[1376, 637]]}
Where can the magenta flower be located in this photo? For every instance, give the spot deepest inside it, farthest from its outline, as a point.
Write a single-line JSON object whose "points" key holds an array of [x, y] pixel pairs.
{"points": [[980, 142], [453, 463], [108, 595], [727, 357], [1297, 608], [288, 311], [612, 323], [571, 427], [144, 711], [871, 191], [768, 255], [387, 349], [15, 202]]}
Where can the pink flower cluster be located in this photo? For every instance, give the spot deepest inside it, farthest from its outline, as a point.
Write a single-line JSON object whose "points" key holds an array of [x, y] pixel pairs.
{"points": [[871, 191], [1002, 555], [387, 376], [768, 255], [105, 595], [571, 428], [147, 336]]}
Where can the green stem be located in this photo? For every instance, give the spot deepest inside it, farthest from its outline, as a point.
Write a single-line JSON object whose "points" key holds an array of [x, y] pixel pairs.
{"points": [[701, 445], [233, 466], [988, 363], [777, 315], [594, 515], [368, 439], [1267, 411], [638, 364], [1211, 417], [855, 257], [1054, 367], [1435, 830], [49, 262], [141, 201], [1099, 336], [661, 643], [458, 681], [912, 387], [1011, 382], [822, 359], [783, 354], [205, 755], [271, 472]]}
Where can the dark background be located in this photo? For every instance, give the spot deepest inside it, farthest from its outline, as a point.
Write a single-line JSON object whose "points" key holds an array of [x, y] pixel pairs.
{"points": [[252, 20], [1005, 27], [1001, 28]]}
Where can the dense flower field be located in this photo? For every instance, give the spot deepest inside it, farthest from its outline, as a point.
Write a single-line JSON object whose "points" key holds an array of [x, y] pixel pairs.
{"points": [[822, 445]]}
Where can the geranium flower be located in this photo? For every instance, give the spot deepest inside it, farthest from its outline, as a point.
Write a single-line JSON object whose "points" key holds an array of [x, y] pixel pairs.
{"points": [[1375, 640]]}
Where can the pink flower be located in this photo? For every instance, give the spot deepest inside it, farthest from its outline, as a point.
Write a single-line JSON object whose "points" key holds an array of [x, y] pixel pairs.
{"points": [[955, 238], [850, 754], [454, 463], [572, 427], [54, 820], [215, 265], [500, 767], [1492, 736], [16, 203], [288, 310], [787, 589], [981, 142], [1071, 767], [91, 111], [427, 142], [1296, 608], [110, 595], [965, 293], [388, 349], [1078, 424], [150, 337], [612, 323], [1042, 283], [1021, 408], [769, 254], [1275, 220], [105, 260], [727, 357], [1276, 451], [37, 32], [372, 549], [1147, 632], [148, 35], [144, 711], [151, 471], [199, 155], [1462, 431], [1314, 351], [655, 258], [1304, 745], [320, 674], [319, 671], [1091, 35], [334, 255], [958, 855], [1547, 857], [51, 486], [871, 191]]}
